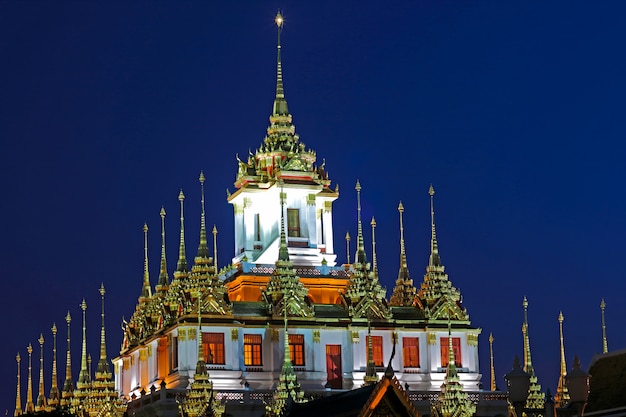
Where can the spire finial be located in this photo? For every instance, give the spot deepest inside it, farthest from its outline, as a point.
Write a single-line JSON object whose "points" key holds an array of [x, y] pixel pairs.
{"points": [[434, 250], [214, 231], [527, 358], [605, 347], [68, 385], [280, 104], [41, 397], [374, 262], [163, 278], [181, 266], [283, 252], [103, 372], [146, 291], [30, 406], [203, 248], [562, 395], [201, 365], [54, 389], [84, 376], [370, 369], [348, 247], [403, 263], [360, 256], [18, 398], [493, 369]]}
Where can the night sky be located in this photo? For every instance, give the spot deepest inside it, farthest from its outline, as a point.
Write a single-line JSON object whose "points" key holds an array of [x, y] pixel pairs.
{"points": [[513, 111]]}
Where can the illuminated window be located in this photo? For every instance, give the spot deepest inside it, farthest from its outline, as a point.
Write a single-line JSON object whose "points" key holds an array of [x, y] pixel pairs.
{"points": [[296, 347], [410, 352], [293, 222], [213, 348], [445, 353], [173, 353], [377, 349], [252, 350]]}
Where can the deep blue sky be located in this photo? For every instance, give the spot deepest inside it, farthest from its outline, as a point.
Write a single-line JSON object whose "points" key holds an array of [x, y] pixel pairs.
{"points": [[514, 111]]}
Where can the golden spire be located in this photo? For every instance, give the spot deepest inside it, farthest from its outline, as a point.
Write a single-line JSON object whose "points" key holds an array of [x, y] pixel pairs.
{"points": [[18, 398], [146, 291], [68, 385], [360, 256], [30, 406], [102, 371], [181, 266], [163, 278], [54, 390], [203, 248], [374, 263], [41, 397], [214, 231], [348, 247], [283, 252], [84, 377], [201, 364], [562, 395], [370, 369], [403, 264], [404, 291], [605, 348], [493, 369], [528, 366], [434, 250], [536, 399], [280, 104]]}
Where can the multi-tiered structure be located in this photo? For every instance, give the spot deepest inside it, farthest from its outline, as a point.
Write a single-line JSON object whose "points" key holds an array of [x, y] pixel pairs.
{"points": [[229, 322]]}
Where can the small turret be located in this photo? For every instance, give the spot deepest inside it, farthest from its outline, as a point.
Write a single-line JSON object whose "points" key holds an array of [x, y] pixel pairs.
{"points": [[30, 406], [163, 277]]}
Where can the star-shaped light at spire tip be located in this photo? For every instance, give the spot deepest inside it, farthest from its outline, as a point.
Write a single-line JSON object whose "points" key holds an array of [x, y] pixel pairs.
{"points": [[279, 20]]}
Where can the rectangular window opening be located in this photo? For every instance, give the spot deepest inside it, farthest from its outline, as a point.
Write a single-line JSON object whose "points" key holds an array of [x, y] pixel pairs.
{"points": [[252, 353]]}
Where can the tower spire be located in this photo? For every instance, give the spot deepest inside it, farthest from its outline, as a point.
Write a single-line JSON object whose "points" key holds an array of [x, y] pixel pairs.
{"points": [[18, 398], [280, 104], [283, 252], [163, 278], [54, 390], [562, 395], [102, 372], [181, 266], [370, 369], [374, 261], [146, 291], [404, 291], [536, 398], [84, 377], [201, 364], [203, 248], [492, 368], [605, 348], [214, 231], [434, 250], [41, 397], [348, 248], [68, 385], [360, 256], [30, 406]]}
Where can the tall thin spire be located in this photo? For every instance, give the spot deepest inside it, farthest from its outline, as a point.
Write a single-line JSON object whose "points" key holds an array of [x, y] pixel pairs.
{"points": [[528, 365], [374, 261], [54, 390], [18, 398], [360, 256], [201, 364], [68, 385], [283, 252], [562, 395], [42, 402], [348, 248], [214, 231], [30, 406], [536, 398], [163, 278], [146, 291], [84, 377], [370, 369], [434, 250], [280, 104], [203, 248], [492, 368], [605, 347], [404, 271], [103, 372], [181, 266], [404, 292]]}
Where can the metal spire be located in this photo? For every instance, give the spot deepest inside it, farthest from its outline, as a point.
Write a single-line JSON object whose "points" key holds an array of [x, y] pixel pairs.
{"points": [[146, 291], [360, 256], [41, 397], [68, 385], [84, 377], [287, 350], [528, 366], [434, 250], [18, 398], [214, 231], [103, 372], [30, 406], [54, 390], [348, 247], [280, 104], [201, 364], [404, 272], [203, 248], [283, 252], [370, 369], [374, 262], [562, 395], [181, 266], [605, 348], [163, 278], [493, 369]]}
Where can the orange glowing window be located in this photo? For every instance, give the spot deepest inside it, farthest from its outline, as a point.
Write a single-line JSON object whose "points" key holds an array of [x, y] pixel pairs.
{"points": [[296, 348], [252, 350], [410, 352], [445, 352], [377, 349], [213, 348]]}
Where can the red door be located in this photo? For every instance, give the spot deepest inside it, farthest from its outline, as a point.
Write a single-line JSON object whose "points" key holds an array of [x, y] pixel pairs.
{"points": [[333, 366]]}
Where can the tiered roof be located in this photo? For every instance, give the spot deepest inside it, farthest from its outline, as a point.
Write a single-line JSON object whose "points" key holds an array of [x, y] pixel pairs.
{"points": [[404, 292], [536, 398]]}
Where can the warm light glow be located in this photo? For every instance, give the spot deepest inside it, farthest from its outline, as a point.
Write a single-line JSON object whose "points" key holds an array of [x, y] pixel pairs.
{"points": [[279, 20]]}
